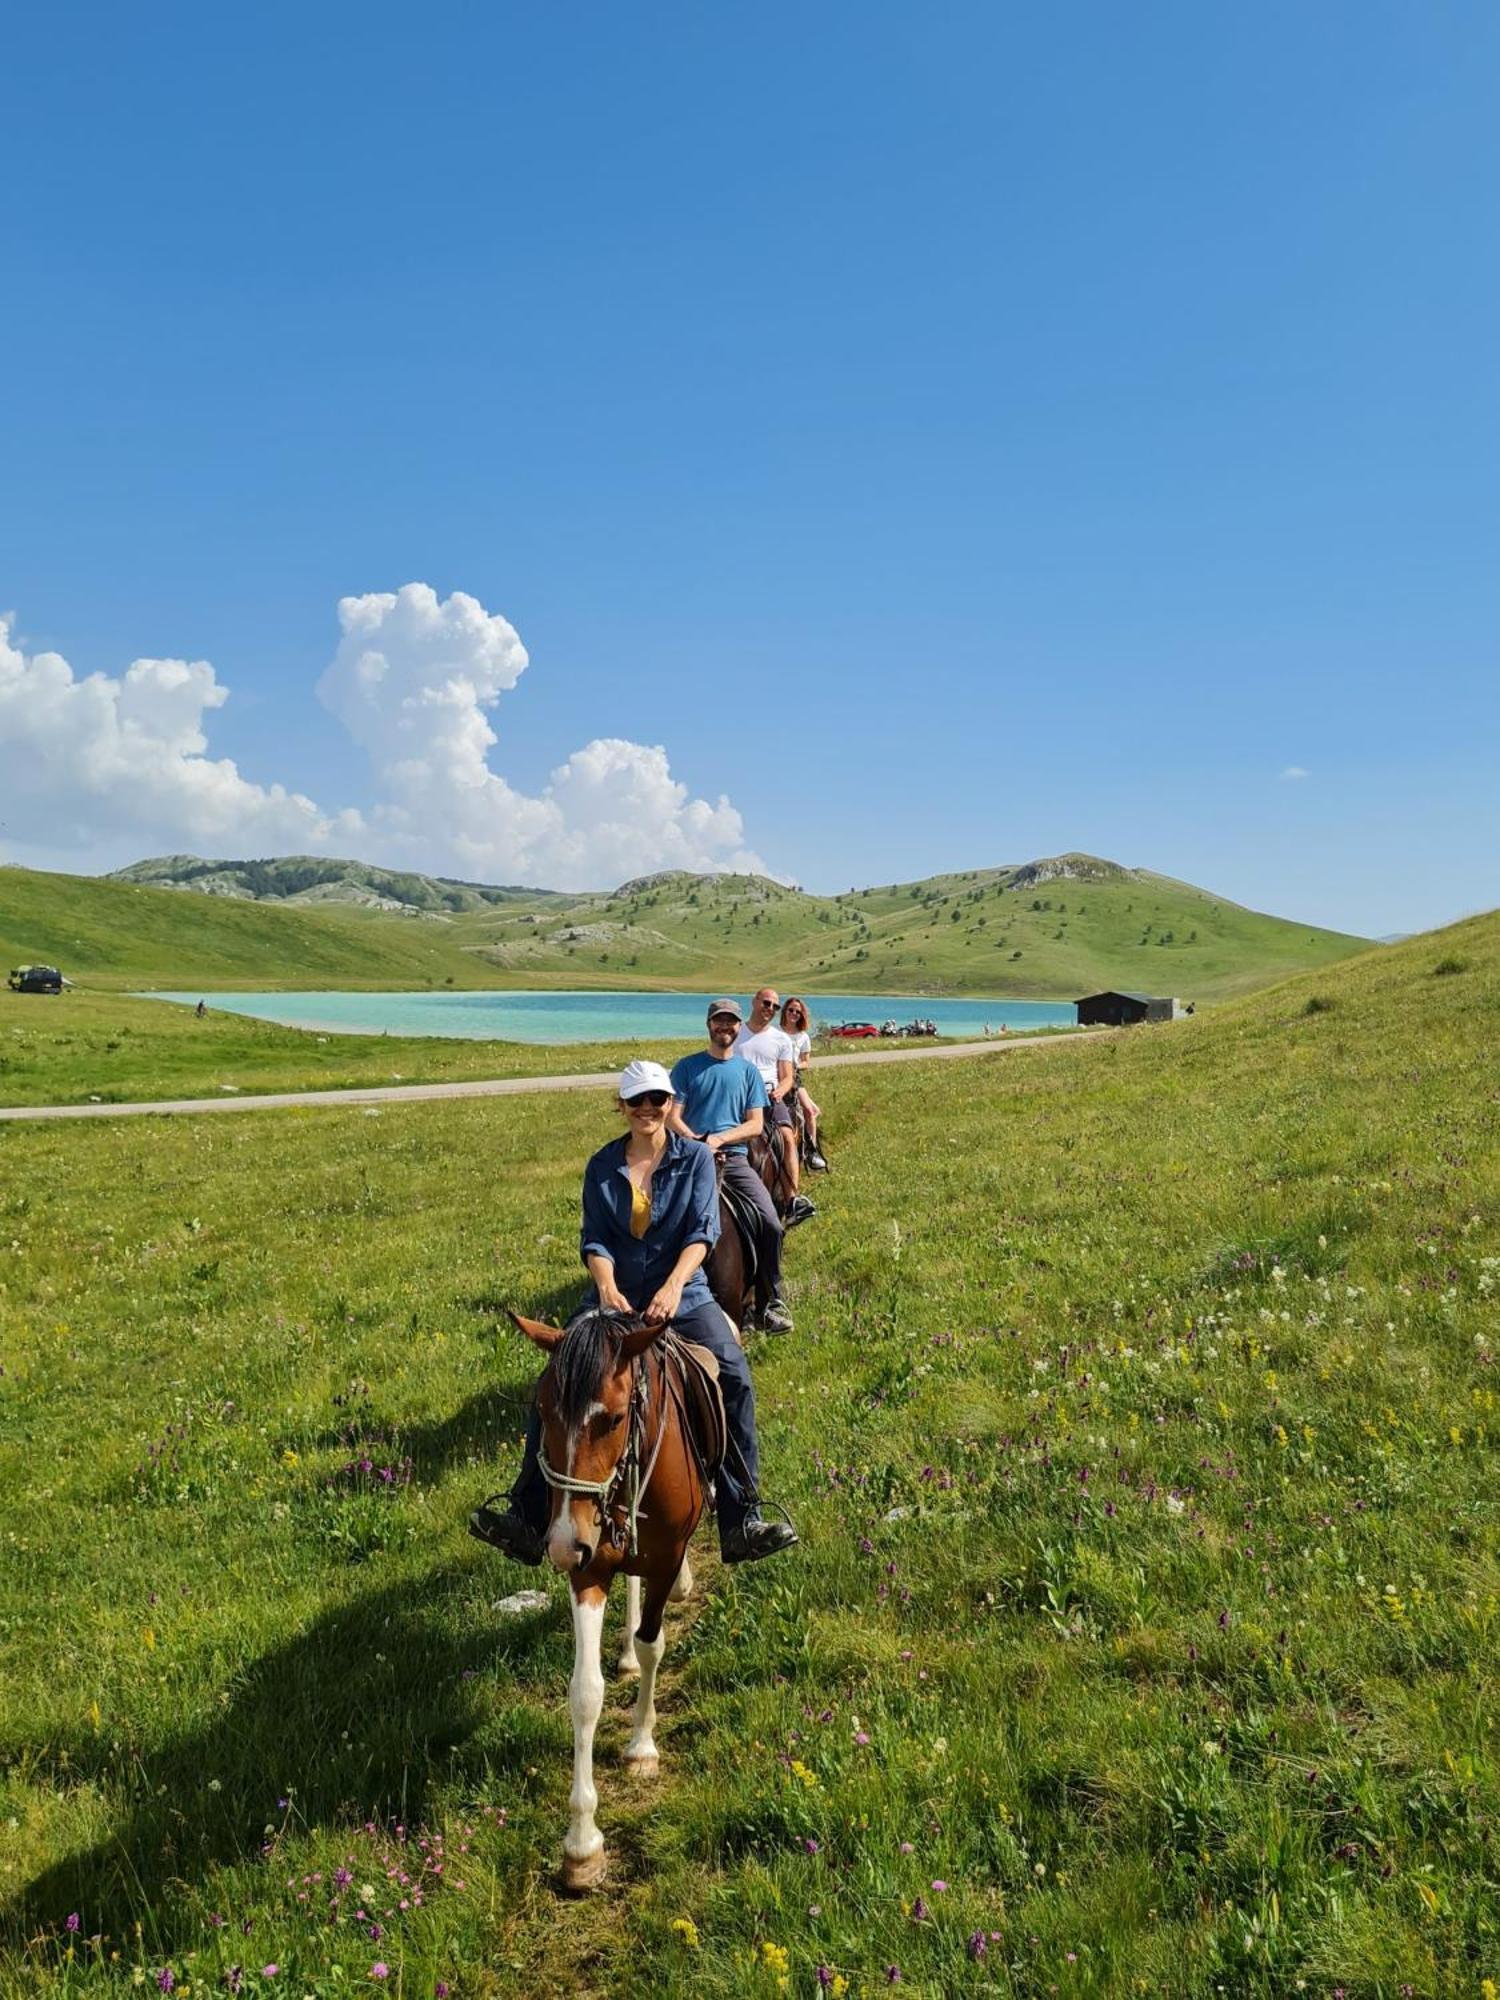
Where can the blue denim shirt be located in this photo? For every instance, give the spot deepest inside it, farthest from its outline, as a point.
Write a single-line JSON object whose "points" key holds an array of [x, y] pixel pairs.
{"points": [[684, 1209]]}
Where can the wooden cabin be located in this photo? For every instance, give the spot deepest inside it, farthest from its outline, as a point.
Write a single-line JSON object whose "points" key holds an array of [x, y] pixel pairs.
{"points": [[1124, 1010]]}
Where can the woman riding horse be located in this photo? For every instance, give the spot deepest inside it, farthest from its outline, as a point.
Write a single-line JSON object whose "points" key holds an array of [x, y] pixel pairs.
{"points": [[650, 1217]]}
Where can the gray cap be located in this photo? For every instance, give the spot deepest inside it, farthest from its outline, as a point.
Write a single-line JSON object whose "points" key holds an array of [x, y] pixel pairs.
{"points": [[725, 1006]]}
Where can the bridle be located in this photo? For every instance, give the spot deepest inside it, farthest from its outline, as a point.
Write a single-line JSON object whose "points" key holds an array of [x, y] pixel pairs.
{"points": [[627, 1481]]}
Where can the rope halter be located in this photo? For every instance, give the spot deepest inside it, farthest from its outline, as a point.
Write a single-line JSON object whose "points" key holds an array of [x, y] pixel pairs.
{"points": [[625, 1473]]}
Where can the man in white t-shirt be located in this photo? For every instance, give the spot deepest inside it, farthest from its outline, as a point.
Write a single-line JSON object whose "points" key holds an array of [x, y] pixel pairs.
{"points": [[761, 1042]]}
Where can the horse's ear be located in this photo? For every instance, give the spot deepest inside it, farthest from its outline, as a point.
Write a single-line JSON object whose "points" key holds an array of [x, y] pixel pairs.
{"points": [[538, 1330], [640, 1338]]}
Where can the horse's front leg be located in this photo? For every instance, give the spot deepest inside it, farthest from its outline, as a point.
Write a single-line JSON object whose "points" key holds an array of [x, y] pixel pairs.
{"points": [[628, 1665], [583, 1849], [641, 1756]]}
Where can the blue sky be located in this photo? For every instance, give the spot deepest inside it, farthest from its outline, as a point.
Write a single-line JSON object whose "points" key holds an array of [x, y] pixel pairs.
{"points": [[954, 435]]}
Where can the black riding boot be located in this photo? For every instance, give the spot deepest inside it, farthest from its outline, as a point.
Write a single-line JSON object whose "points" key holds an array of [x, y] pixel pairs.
{"points": [[520, 1531]]}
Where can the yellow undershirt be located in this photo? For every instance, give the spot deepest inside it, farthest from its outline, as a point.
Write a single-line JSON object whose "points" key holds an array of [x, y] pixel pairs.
{"points": [[640, 1211]]}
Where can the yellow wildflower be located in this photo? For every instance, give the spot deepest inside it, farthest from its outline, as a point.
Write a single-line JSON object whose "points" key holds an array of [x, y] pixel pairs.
{"points": [[687, 1930], [774, 1955], [800, 1770]]}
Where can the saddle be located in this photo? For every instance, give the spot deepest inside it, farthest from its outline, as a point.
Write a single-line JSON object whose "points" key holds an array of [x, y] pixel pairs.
{"points": [[692, 1380]]}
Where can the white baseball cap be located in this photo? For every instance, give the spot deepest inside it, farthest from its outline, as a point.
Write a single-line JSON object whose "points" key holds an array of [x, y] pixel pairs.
{"points": [[638, 1077]]}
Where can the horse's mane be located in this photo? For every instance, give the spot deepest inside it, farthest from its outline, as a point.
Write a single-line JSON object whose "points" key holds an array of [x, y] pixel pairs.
{"points": [[582, 1358]]}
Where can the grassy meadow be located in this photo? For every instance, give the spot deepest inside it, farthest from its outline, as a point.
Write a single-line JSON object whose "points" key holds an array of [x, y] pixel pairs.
{"points": [[1139, 1426], [84, 1046]]}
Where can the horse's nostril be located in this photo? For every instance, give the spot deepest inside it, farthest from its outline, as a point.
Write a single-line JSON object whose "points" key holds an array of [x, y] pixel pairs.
{"points": [[584, 1553]]}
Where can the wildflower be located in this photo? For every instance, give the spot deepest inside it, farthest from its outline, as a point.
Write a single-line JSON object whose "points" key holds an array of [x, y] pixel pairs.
{"points": [[861, 1737], [919, 1911], [906, 1847], [380, 1970], [687, 1930], [940, 1888], [977, 1945], [166, 1979], [269, 1971], [893, 1975], [811, 1845], [440, 1991], [236, 1979], [73, 1921], [774, 1955]]}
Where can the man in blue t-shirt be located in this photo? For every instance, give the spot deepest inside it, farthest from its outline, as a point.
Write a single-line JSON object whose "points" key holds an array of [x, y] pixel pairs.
{"points": [[722, 1101]]}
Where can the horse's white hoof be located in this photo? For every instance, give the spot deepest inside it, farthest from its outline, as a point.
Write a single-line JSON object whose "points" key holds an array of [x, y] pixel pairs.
{"points": [[645, 1765], [628, 1667], [579, 1877]]}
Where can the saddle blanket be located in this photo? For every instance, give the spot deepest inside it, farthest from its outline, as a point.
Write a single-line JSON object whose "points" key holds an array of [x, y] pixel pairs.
{"points": [[701, 1401]]}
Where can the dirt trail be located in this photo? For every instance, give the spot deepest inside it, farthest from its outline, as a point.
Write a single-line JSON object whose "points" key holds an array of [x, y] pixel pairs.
{"points": [[506, 1086]]}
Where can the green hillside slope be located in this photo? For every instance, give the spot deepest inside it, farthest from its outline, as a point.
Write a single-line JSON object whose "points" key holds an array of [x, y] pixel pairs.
{"points": [[1061, 927], [1053, 928], [113, 934]]}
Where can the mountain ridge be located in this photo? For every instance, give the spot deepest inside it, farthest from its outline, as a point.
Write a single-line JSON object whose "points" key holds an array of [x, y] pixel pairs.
{"points": [[1053, 928]]}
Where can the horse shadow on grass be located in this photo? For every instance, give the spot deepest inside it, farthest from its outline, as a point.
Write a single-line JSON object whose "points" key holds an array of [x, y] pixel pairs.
{"points": [[362, 1716]]}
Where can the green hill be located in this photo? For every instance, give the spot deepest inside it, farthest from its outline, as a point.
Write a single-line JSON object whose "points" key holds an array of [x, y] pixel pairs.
{"points": [[1063, 926], [1051, 928], [115, 934]]}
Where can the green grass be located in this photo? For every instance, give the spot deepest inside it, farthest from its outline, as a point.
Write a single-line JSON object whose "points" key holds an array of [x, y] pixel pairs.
{"points": [[1139, 1425], [109, 1047], [973, 933]]}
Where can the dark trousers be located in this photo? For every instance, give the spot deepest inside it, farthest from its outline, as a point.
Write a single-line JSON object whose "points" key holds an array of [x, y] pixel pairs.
{"points": [[739, 1476], [743, 1178]]}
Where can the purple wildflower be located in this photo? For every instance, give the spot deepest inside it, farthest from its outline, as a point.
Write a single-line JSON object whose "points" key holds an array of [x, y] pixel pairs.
{"points": [[940, 1887], [977, 1945], [73, 1921], [166, 1979], [380, 1970], [825, 1976], [919, 1911], [269, 1971], [236, 1979], [811, 1845], [893, 1975]]}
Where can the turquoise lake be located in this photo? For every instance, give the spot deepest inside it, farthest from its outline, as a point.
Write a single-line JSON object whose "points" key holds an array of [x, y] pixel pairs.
{"points": [[599, 1017]]}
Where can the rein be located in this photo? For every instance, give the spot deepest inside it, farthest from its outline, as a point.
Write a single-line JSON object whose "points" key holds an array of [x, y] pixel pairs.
{"points": [[627, 1481]]}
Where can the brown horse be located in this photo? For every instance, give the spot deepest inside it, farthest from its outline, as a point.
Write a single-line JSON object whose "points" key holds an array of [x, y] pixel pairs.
{"points": [[614, 1438], [728, 1268]]}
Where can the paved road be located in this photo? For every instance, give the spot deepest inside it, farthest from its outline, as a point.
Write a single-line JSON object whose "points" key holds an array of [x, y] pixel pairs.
{"points": [[503, 1086]]}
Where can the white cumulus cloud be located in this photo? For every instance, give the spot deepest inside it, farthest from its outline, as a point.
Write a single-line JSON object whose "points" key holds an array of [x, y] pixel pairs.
{"points": [[96, 759], [415, 680]]}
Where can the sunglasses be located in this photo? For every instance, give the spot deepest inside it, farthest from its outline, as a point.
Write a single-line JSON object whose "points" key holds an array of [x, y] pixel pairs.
{"points": [[652, 1100]]}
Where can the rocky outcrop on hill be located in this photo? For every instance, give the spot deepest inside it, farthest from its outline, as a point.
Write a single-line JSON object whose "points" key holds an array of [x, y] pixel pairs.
{"points": [[1069, 868], [307, 878]]}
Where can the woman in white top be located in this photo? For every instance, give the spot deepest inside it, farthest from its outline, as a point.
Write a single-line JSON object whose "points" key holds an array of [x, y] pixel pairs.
{"points": [[794, 1024]]}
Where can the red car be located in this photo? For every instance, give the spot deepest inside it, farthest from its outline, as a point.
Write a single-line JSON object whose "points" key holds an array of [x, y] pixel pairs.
{"points": [[855, 1030]]}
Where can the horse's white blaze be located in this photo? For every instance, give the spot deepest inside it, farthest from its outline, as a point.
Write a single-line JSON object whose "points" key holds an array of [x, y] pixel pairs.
{"points": [[641, 1749], [585, 1700], [574, 1522], [629, 1664]]}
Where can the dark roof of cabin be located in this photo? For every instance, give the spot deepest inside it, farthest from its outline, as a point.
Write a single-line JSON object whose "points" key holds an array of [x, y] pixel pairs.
{"points": [[1119, 993]]}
